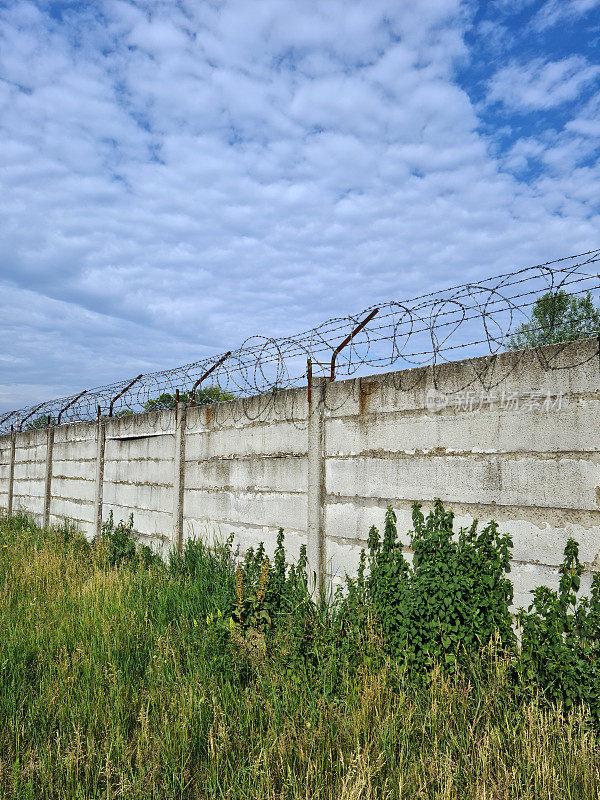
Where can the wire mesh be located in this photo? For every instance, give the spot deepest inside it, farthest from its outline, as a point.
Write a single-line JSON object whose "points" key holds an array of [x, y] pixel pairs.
{"points": [[473, 319]]}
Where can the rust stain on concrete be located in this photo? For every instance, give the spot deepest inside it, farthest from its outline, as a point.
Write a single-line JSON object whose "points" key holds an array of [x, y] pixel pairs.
{"points": [[366, 390]]}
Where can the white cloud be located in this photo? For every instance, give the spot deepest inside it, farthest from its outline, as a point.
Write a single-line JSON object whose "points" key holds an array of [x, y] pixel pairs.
{"points": [[540, 84], [555, 12], [564, 152], [176, 177]]}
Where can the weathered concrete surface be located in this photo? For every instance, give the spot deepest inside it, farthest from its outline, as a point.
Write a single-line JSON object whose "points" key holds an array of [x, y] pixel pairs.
{"points": [[317, 544], [505, 451], [138, 472], [29, 473], [73, 465], [246, 470], [502, 437], [178, 476], [5, 448], [48, 476]]}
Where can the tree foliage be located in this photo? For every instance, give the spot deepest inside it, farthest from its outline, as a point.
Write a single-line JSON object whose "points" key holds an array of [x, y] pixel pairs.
{"points": [[203, 397], [558, 317], [43, 421]]}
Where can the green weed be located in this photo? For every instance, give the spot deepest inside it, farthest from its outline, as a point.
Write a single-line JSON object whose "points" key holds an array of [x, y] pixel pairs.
{"points": [[123, 676]]}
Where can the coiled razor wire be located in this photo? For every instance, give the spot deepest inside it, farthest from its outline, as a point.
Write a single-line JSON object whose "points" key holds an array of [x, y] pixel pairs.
{"points": [[474, 319]]}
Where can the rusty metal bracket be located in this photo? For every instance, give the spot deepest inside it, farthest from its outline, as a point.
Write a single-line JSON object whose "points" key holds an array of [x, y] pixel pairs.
{"points": [[122, 392], [64, 408], [348, 339], [309, 377], [205, 375], [37, 408]]}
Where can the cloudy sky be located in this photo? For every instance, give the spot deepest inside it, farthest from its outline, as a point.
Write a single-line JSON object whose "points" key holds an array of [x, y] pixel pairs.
{"points": [[177, 176]]}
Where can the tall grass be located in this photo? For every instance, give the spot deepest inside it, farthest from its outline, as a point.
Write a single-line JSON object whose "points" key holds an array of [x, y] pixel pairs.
{"points": [[114, 684]]}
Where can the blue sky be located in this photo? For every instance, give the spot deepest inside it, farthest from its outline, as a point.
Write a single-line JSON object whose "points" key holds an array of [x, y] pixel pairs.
{"points": [[178, 176]]}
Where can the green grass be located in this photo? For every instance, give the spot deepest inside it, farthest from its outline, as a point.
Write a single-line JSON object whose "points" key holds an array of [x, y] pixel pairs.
{"points": [[112, 684]]}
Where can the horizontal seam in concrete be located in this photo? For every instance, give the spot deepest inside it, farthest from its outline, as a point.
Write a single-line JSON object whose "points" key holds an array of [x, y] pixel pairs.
{"points": [[426, 414], [22, 451], [66, 518], [243, 490], [67, 440], [141, 459], [152, 536], [151, 484], [593, 456], [137, 509], [137, 436], [72, 460], [245, 457], [72, 478], [589, 566], [250, 525], [480, 511], [251, 425], [60, 499]]}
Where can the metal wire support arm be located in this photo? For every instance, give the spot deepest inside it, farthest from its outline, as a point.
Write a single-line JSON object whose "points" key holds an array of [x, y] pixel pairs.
{"points": [[205, 375], [31, 413], [7, 417], [122, 392], [72, 402], [348, 339]]}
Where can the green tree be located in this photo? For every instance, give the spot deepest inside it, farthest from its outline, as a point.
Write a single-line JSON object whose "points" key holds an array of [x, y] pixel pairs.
{"points": [[203, 397], [43, 421], [557, 317]]}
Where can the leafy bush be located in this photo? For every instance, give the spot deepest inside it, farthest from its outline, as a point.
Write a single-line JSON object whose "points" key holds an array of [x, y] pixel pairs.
{"points": [[441, 610], [117, 545], [449, 603], [560, 646], [265, 591]]}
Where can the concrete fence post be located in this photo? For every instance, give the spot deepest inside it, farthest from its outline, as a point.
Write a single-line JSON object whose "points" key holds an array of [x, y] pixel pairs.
{"points": [[11, 472], [48, 475], [99, 485], [316, 550], [179, 475]]}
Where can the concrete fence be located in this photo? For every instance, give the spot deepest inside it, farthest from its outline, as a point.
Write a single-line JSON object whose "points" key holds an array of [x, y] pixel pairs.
{"points": [[512, 438]]}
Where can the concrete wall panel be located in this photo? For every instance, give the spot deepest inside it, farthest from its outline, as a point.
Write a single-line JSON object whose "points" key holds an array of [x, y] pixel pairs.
{"points": [[514, 437], [247, 440], [280, 473], [575, 427], [245, 535], [266, 508], [492, 480]]}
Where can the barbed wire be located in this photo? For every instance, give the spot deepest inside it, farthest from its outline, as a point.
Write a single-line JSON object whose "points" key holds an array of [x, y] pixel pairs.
{"points": [[475, 318]]}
